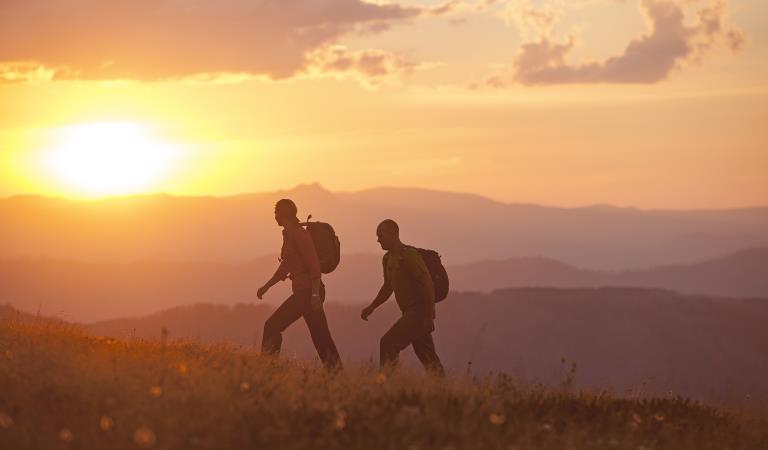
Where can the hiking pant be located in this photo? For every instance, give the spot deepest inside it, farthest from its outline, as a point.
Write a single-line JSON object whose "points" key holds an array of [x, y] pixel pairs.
{"points": [[411, 329], [296, 306]]}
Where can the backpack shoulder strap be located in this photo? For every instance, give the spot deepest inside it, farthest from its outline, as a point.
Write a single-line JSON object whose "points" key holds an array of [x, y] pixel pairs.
{"points": [[411, 274], [290, 239]]}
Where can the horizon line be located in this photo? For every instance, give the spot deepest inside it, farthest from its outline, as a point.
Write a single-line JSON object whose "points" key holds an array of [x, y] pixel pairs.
{"points": [[320, 187]]}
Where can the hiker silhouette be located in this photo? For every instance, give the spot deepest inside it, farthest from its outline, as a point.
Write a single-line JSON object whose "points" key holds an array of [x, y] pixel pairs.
{"points": [[300, 263], [407, 275]]}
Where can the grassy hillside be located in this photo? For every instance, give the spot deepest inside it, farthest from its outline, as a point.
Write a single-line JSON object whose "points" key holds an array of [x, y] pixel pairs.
{"points": [[710, 349], [64, 388]]}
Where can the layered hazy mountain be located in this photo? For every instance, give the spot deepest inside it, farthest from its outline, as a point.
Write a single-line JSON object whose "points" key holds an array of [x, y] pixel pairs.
{"points": [[84, 291], [464, 228]]}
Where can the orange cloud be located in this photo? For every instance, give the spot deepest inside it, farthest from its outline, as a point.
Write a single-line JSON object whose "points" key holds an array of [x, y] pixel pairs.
{"points": [[648, 59], [671, 44], [370, 66], [168, 39]]}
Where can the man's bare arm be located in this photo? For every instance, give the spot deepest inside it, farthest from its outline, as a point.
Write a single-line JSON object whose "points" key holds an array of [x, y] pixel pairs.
{"points": [[384, 293], [280, 274]]}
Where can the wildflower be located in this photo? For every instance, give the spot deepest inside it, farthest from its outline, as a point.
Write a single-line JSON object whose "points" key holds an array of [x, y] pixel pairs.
{"points": [[381, 378], [106, 423], [9, 354], [66, 435], [5, 421], [144, 437], [156, 391], [637, 419], [245, 386], [341, 420], [183, 368], [497, 419], [659, 417], [546, 427]]}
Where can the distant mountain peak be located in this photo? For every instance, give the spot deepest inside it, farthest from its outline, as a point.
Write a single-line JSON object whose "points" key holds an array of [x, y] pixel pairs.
{"points": [[609, 207], [308, 189]]}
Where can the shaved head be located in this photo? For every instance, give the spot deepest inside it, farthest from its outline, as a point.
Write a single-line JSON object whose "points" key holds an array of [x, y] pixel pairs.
{"points": [[388, 234], [389, 226]]}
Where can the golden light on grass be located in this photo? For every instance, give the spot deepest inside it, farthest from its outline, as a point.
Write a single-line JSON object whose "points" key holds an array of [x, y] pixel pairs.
{"points": [[156, 391], [144, 437], [347, 407], [66, 435], [497, 419], [110, 158], [341, 420], [5, 421], [106, 423]]}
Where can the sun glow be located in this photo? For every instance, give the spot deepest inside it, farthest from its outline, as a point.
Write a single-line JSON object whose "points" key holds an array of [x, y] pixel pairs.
{"points": [[110, 158]]}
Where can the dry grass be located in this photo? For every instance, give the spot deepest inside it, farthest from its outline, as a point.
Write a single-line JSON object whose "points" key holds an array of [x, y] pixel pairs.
{"points": [[63, 388]]}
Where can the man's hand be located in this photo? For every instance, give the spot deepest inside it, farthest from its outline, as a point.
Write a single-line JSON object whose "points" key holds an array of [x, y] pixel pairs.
{"points": [[367, 311], [316, 303], [262, 290]]}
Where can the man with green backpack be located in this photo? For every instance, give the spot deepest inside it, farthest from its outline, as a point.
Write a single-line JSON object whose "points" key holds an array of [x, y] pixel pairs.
{"points": [[408, 275]]}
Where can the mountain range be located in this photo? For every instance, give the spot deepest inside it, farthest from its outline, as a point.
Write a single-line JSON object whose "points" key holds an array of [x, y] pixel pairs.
{"points": [[464, 228], [86, 291]]}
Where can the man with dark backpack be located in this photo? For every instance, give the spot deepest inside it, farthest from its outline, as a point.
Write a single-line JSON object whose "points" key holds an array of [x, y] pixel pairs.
{"points": [[299, 261], [407, 275]]}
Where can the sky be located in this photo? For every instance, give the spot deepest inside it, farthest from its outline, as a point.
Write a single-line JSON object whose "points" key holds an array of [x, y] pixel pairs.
{"points": [[645, 103]]}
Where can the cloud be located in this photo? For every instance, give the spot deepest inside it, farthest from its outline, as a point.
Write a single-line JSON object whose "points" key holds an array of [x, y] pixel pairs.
{"points": [[24, 72], [531, 21], [149, 40], [651, 58], [372, 67]]}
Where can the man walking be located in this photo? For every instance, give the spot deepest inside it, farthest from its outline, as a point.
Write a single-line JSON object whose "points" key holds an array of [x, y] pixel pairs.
{"points": [[298, 261], [406, 274]]}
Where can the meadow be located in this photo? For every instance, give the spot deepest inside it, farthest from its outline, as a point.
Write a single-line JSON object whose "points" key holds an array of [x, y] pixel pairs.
{"points": [[62, 387]]}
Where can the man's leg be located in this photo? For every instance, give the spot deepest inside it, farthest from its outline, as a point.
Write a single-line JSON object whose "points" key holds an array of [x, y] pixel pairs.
{"points": [[282, 318], [424, 347], [401, 335], [321, 336]]}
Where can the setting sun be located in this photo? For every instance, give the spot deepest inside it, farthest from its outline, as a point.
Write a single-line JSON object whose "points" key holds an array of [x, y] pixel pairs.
{"points": [[110, 158]]}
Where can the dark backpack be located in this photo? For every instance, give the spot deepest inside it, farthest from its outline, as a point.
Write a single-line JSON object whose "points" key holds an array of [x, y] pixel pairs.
{"points": [[437, 272], [327, 244]]}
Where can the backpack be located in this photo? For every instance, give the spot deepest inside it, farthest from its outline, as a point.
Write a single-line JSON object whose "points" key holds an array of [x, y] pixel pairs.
{"points": [[327, 244], [437, 272]]}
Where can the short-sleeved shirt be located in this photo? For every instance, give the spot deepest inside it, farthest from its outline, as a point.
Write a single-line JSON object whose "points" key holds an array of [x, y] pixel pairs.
{"points": [[402, 271], [299, 259]]}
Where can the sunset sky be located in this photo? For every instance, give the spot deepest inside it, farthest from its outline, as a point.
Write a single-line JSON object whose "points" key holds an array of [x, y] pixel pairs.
{"points": [[647, 103]]}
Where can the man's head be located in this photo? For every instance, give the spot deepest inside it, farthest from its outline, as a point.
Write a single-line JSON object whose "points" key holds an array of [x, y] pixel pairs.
{"points": [[285, 212], [388, 233]]}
